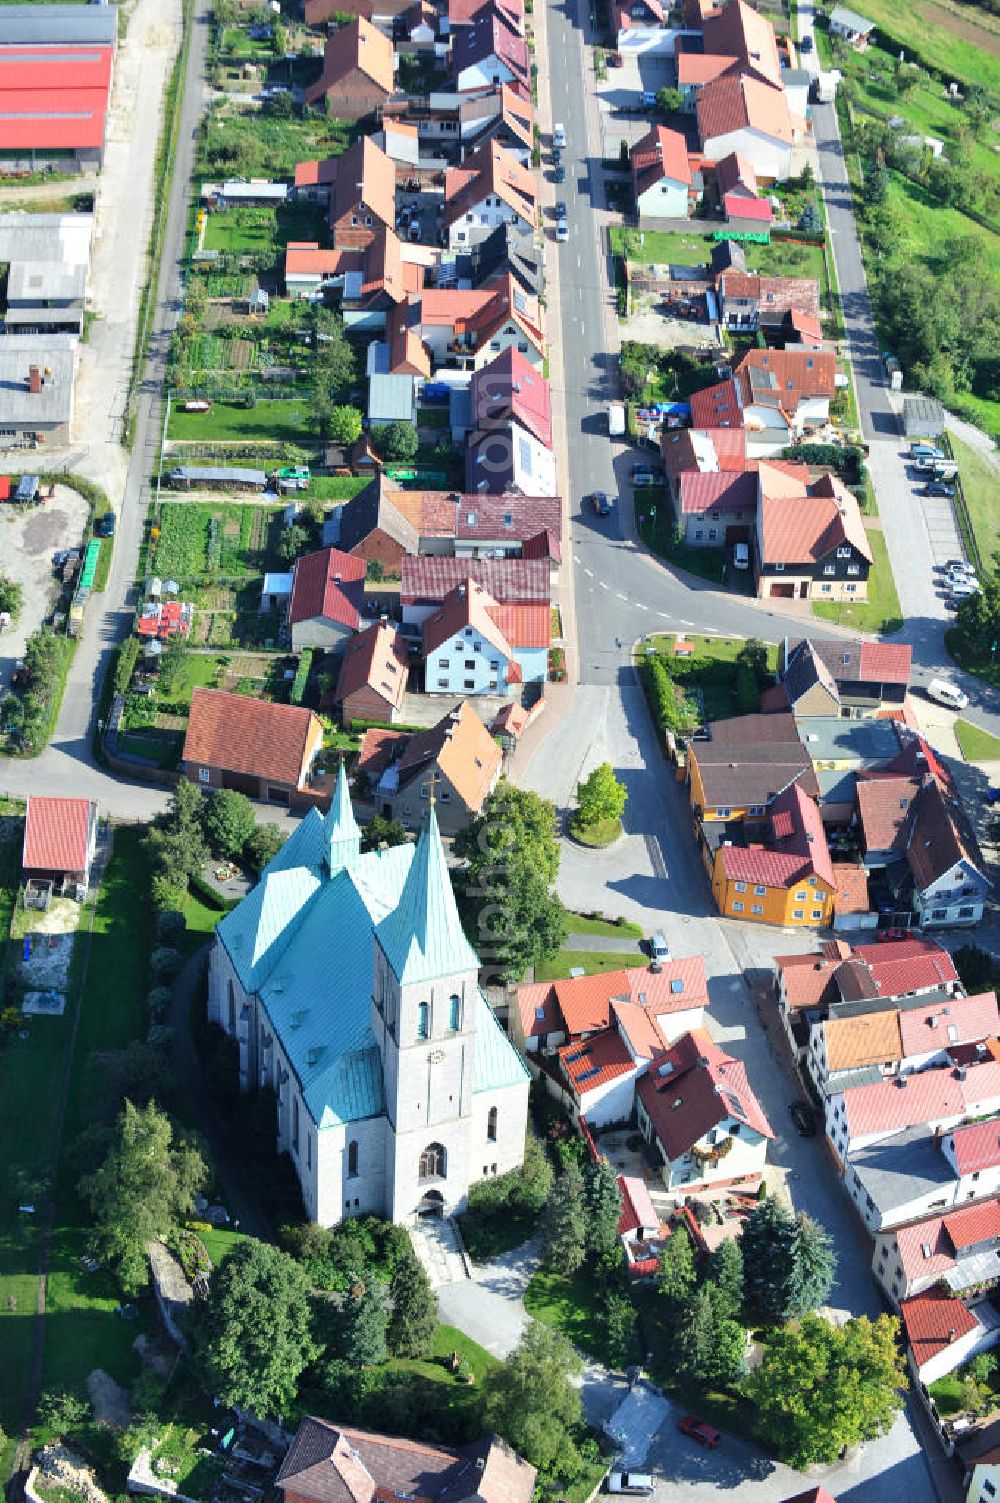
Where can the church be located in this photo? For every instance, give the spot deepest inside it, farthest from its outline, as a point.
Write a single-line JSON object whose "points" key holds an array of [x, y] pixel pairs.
{"points": [[352, 991]]}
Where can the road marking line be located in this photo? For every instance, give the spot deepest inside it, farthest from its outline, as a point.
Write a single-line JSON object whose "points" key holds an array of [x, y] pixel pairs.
{"points": [[640, 607], [589, 573], [602, 584], [620, 595]]}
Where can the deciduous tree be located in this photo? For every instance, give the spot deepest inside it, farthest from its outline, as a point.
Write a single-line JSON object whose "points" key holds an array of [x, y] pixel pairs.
{"points": [[228, 822], [146, 1183], [262, 845], [396, 440], [821, 1387], [253, 1335], [344, 425], [533, 1403], [381, 830], [601, 797]]}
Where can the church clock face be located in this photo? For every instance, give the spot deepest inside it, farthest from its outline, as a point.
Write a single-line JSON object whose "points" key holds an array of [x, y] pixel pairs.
{"points": [[436, 1056]]}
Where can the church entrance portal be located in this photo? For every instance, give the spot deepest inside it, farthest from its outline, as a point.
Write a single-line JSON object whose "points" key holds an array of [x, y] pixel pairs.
{"points": [[431, 1204]]}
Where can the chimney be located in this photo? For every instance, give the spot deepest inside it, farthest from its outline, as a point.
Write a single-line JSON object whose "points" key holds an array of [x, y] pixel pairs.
{"points": [[34, 379]]}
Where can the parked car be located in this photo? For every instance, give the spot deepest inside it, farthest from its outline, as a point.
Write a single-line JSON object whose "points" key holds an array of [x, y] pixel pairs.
{"points": [[944, 692], [741, 555], [646, 474], [559, 135], [106, 525], [658, 947], [635, 1484], [806, 44], [802, 1116], [937, 488], [561, 209], [562, 231], [559, 174], [556, 156], [992, 795], [959, 566], [699, 1431], [926, 451], [599, 502], [615, 60]]}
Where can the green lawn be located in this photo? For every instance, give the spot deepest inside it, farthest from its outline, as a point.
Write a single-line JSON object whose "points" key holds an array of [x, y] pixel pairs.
{"points": [[605, 832], [715, 649], [927, 223], [881, 611], [780, 258], [277, 420], [215, 539], [981, 489], [256, 231], [337, 487], [578, 923], [658, 530], [709, 676], [591, 961], [986, 668], [567, 1303], [940, 34], [977, 745]]}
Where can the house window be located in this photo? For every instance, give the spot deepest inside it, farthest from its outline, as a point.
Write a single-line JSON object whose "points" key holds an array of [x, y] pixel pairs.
{"points": [[779, 568], [755, 809], [800, 897], [454, 1013], [352, 1159], [740, 886], [737, 907], [423, 1021], [939, 913], [759, 890], [699, 534], [817, 913], [850, 588], [825, 589], [469, 683], [491, 1125], [723, 813], [844, 551], [854, 568], [442, 683], [712, 534], [204, 774], [354, 219], [433, 1162], [470, 665], [829, 568], [966, 912], [797, 913], [757, 908]]}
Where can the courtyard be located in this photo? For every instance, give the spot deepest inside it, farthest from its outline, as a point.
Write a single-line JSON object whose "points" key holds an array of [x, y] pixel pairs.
{"points": [[28, 538]]}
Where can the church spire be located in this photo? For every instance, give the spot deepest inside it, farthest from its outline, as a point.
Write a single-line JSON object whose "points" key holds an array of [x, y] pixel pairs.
{"points": [[422, 938], [340, 828]]}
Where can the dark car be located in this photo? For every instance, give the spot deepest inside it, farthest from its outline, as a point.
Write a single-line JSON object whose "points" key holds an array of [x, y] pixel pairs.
{"points": [[937, 488], [699, 1431], [556, 156], [993, 795], [560, 210], [559, 175], [806, 44], [600, 503], [805, 1122], [106, 525]]}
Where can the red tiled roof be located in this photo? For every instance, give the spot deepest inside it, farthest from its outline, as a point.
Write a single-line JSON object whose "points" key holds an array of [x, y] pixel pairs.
{"points": [[468, 604], [810, 979], [977, 1145], [510, 386], [973, 1224], [582, 1004], [591, 1064], [330, 584], [930, 1096], [251, 736], [316, 173], [692, 1089], [697, 68], [738, 206], [52, 118], [960, 1020], [56, 834], [736, 171], [802, 530], [366, 176], [933, 1322], [357, 46], [886, 662], [883, 808], [749, 36], [524, 625], [304, 258], [907, 965], [489, 35], [851, 888], [511, 581], [717, 406], [489, 173], [376, 751], [737, 102], [377, 658], [800, 847], [659, 154], [787, 376], [686, 449], [807, 326], [701, 491], [638, 1211]]}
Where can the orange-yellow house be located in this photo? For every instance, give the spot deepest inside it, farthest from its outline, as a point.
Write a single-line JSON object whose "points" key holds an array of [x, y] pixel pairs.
{"points": [[788, 880], [749, 760]]}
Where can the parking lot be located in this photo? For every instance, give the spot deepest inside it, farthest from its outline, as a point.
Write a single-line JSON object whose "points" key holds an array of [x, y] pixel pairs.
{"points": [[28, 538]]}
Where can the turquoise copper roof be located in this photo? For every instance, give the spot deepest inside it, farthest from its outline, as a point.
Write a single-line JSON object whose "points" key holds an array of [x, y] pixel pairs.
{"points": [[340, 828], [496, 1062], [422, 938]]}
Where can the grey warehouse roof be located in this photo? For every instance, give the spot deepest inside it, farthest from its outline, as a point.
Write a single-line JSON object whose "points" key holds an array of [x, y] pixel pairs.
{"points": [[901, 1168], [37, 281], [21, 408], [46, 237], [23, 25]]}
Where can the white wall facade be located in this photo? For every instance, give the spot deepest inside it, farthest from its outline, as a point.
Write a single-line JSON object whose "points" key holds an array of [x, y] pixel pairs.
{"points": [[959, 1352], [744, 1160], [610, 1102], [467, 664], [480, 221], [984, 1483], [487, 73], [957, 897], [769, 157], [664, 200]]}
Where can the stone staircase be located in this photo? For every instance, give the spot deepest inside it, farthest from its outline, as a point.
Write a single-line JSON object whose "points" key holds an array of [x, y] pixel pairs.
{"points": [[437, 1242]]}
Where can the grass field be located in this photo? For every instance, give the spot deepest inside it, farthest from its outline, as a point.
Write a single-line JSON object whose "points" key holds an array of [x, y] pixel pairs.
{"points": [[780, 258], [981, 488], [881, 611], [959, 39], [926, 223], [253, 231], [591, 962], [977, 745], [241, 541], [576, 923], [658, 530], [285, 420], [566, 1302], [337, 487]]}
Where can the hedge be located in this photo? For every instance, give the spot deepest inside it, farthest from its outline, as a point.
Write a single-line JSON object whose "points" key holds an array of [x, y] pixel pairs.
{"points": [[301, 678]]}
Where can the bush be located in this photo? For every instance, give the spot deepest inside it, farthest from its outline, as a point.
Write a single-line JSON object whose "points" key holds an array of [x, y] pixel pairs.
{"points": [[301, 678], [662, 694], [164, 963], [158, 1001], [747, 693], [170, 925]]}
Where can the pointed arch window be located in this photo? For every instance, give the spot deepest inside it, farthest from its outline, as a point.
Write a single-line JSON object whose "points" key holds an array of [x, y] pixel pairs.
{"points": [[433, 1162], [454, 1013], [352, 1159], [232, 1009], [423, 1021], [491, 1125]]}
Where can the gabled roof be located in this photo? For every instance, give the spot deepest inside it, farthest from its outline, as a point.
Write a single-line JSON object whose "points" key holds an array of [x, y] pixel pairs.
{"points": [[926, 1096], [594, 1063], [939, 836], [367, 176], [906, 965], [374, 509], [851, 884], [784, 378], [933, 1322], [660, 155], [328, 584], [718, 406], [725, 492], [583, 1004], [463, 750], [735, 102], [697, 68], [247, 735], [382, 266], [490, 36], [750, 759], [871, 1039], [706, 449], [809, 980], [509, 386], [504, 456], [490, 172], [638, 1212], [517, 113], [304, 258], [508, 580], [376, 658], [694, 1088], [57, 834], [742, 32], [884, 808], [468, 604], [977, 1146], [736, 172], [357, 46], [774, 295], [799, 530]]}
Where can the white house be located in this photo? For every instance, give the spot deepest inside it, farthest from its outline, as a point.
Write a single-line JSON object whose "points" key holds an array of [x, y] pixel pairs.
{"points": [[864, 1114], [661, 175], [490, 188], [465, 652], [943, 1333], [958, 1249], [489, 52], [920, 1172], [697, 1111], [979, 1453], [917, 1035], [506, 459], [395, 1085], [739, 113], [949, 885]]}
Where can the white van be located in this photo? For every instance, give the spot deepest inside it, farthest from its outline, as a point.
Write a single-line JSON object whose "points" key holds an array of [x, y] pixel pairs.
{"points": [[634, 1484], [741, 555], [947, 693], [559, 136]]}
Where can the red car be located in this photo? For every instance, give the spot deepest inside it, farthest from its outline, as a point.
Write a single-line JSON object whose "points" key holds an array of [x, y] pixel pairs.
{"points": [[699, 1431]]}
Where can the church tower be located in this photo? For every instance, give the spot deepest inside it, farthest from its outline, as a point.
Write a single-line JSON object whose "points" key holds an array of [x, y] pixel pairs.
{"points": [[341, 834], [424, 1014]]}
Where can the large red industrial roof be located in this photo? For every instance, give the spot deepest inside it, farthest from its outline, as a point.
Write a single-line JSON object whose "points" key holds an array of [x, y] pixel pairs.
{"points": [[55, 67], [53, 99]]}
